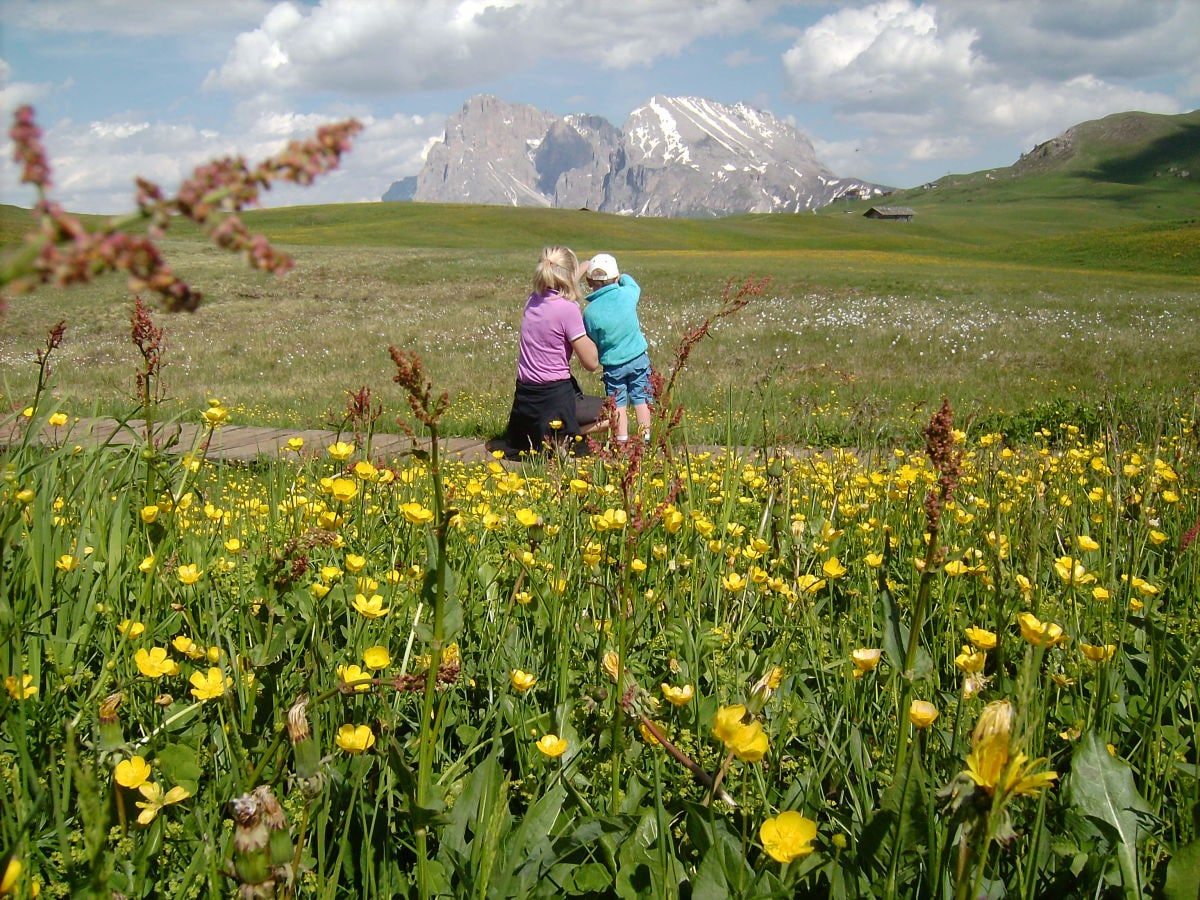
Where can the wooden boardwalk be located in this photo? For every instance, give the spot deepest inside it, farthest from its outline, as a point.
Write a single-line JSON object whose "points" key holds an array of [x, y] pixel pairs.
{"points": [[243, 443]]}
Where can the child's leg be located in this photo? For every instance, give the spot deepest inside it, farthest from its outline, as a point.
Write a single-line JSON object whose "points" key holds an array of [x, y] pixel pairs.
{"points": [[614, 386], [642, 412], [622, 423]]}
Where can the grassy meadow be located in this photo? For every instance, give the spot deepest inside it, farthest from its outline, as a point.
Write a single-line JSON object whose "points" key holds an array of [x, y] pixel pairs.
{"points": [[906, 648], [863, 325]]}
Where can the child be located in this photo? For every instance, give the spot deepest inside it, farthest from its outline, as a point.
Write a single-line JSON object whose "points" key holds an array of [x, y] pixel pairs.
{"points": [[611, 321]]}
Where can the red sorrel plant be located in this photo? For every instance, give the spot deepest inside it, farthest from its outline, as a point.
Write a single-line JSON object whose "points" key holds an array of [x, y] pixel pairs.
{"points": [[428, 410], [60, 250]]}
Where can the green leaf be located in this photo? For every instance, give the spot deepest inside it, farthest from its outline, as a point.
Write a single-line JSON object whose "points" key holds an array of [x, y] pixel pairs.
{"points": [[1183, 873], [180, 767], [1102, 789]]}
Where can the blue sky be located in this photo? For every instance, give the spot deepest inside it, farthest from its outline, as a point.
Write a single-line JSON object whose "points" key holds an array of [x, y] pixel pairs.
{"points": [[897, 92]]}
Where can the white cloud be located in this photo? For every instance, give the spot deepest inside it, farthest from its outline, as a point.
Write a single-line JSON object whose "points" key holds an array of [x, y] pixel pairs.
{"points": [[936, 81], [94, 163], [884, 54], [383, 46], [17, 93]]}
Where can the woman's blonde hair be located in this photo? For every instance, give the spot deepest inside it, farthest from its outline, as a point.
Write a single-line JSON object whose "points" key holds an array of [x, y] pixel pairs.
{"points": [[556, 272]]}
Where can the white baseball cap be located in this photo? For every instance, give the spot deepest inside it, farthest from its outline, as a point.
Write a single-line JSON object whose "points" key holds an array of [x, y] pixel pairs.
{"points": [[603, 268]]}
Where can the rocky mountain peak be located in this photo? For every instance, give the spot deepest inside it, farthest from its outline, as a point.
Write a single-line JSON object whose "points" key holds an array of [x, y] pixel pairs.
{"points": [[675, 156]]}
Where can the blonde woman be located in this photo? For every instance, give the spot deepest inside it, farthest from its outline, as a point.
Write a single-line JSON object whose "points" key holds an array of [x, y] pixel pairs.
{"points": [[548, 405]]}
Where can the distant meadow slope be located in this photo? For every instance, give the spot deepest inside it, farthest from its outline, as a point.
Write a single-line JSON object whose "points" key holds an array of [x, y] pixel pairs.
{"points": [[1047, 290]]}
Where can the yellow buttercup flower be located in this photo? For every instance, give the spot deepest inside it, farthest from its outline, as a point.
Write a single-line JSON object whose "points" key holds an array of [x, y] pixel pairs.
{"points": [[1039, 633], [209, 685], [678, 696], [810, 584], [352, 674], [1086, 542], [734, 581], [1101, 653], [58, 419], [132, 773], [746, 740], [865, 660], [155, 663], [521, 681], [922, 713], [66, 563], [981, 638], [372, 607], [10, 876], [156, 799], [833, 568], [343, 489], [341, 451], [1071, 571], [20, 689], [215, 415], [528, 517], [970, 661], [788, 836], [188, 574], [552, 745], [416, 513], [130, 628], [377, 657], [355, 738]]}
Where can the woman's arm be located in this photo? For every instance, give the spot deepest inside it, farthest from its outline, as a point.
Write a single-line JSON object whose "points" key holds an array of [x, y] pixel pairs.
{"points": [[585, 349]]}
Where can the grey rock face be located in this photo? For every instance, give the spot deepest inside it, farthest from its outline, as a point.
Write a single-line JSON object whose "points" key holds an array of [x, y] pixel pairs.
{"points": [[676, 156]]}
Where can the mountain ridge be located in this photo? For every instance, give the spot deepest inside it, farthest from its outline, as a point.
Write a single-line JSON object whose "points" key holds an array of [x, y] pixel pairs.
{"points": [[674, 157]]}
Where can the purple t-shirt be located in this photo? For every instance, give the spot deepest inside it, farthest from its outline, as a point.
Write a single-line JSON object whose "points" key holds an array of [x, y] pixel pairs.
{"points": [[549, 324]]}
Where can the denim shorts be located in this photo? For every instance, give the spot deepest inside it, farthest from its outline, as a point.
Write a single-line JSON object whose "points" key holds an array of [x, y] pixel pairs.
{"points": [[629, 383]]}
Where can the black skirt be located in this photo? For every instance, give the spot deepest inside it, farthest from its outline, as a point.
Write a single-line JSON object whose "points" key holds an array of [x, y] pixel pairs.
{"points": [[535, 406]]}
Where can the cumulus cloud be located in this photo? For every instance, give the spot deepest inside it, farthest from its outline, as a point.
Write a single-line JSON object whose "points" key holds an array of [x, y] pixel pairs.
{"points": [[94, 163], [18, 93], [936, 79], [373, 47]]}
